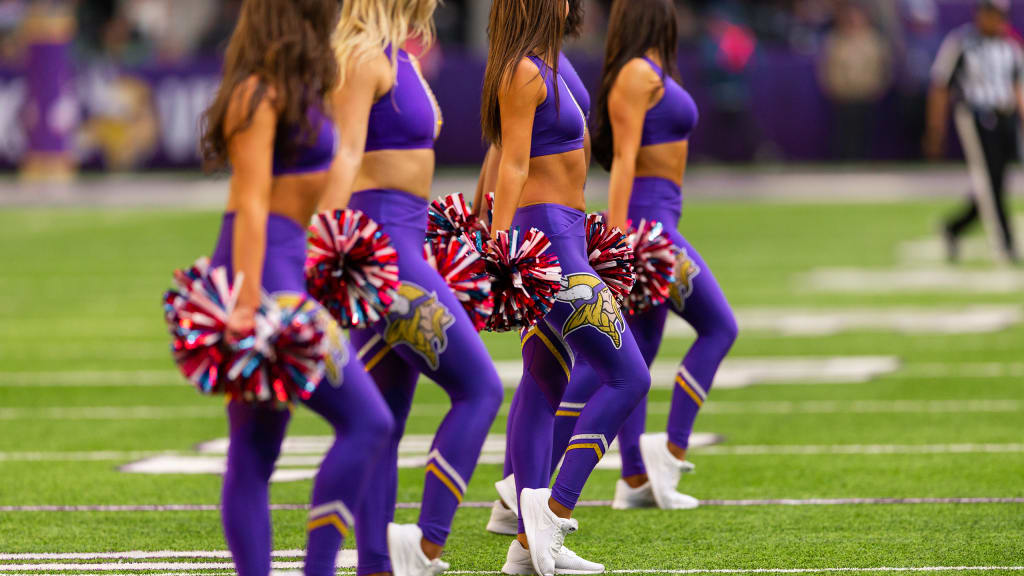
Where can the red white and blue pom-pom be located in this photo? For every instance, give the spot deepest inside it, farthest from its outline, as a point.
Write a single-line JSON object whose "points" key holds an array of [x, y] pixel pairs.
{"points": [[450, 216], [281, 360], [351, 267], [465, 271], [196, 311], [525, 278], [654, 262], [487, 213], [286, 359], [611, 256]]}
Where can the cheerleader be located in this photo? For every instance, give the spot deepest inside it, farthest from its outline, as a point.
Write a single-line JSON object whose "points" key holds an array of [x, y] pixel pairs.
{"points": [[389, 120], [528, 112], [641, 134], [269, 125]]}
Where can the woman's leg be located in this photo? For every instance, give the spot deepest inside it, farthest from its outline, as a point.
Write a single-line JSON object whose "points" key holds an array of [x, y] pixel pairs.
{"points": [[596, 331], [648, 329], [396, 383], [547, 363], [256, 433], [428, 331], [349, 400], [699, 299]]}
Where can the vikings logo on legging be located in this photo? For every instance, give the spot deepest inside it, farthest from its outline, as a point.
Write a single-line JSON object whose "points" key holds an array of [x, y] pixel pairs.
{"points": [[418, 320], [593, 305], [337, 350], [682, 286]]}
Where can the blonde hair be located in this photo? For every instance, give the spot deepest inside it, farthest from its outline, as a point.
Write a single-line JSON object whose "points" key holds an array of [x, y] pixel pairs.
{"points": [[369, 26]]}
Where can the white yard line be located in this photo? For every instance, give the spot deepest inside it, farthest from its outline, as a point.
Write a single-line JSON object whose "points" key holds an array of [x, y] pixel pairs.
{"points": [[804, 322], [743, 503], [737, 372], [194, 568], [211, 411]]}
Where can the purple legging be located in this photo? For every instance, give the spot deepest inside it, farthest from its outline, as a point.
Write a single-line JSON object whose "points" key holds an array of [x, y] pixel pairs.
{"points": [[585, 323], [698, 299], [426, 332], [347, 399]]}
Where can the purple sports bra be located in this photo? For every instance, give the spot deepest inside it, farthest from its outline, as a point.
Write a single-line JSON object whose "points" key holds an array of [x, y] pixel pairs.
{"points": [[674, 117], [572, 80], [407, 117], [556, 130], [309, 157]]}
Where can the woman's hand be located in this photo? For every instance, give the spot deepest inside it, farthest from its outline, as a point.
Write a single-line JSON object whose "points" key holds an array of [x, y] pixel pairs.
{"points": [[241, 323]]}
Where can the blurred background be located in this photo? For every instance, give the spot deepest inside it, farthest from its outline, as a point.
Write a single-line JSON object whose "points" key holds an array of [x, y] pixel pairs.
{"points": [[118, 85]]}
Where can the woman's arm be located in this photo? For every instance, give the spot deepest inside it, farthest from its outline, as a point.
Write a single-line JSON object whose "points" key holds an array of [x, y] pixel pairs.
{"points": [[251, 154], [628, 101], [351, 103], [488, 178], [517, 105]]}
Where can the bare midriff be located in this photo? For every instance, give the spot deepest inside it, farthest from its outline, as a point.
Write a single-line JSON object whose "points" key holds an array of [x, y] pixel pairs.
{"points": [[410, 171], [666, 161], [556, 179]]}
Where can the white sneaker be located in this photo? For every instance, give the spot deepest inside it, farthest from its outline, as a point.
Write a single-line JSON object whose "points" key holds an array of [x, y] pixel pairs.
{"points": [[663, 471], [407, 557], [503, 521], [567, 562], [506, 488], [627, 497], [544, 530], [518, 562]]}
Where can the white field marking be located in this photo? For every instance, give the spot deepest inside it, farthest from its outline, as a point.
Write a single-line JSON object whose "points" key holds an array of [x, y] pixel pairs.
{"points": [[137, 566], [744, 372], [653, 407], [139, 555], [865, 449], [788, 502], [906, 320], [208, 411], [97, 456], [85, 378], [194, 568], [944, 280], [735, 373]]}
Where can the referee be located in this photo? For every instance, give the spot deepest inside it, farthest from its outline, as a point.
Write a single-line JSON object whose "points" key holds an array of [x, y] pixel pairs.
{"points": [[980, 68]]}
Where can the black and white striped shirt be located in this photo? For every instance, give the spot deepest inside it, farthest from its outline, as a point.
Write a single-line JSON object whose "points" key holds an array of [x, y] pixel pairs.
{"points": [[984, 71]]}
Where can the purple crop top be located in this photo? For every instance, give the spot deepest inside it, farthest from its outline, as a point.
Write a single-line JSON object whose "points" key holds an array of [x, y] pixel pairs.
{"points": [[556, 131], [309, 157], [407, 117], [674, 117], [572, 80]]}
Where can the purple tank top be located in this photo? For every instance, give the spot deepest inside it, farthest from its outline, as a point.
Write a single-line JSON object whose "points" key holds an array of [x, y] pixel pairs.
{"points": [[556, 130], [572, 80], [315, 156], [407, 117], [673, 118]]}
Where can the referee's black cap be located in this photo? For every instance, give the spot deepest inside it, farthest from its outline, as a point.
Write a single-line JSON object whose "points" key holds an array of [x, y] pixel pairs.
{"points": [[1001, 6]]}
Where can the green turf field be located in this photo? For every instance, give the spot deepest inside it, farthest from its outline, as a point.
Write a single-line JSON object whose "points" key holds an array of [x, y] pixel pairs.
{"points": [[87, 386]]}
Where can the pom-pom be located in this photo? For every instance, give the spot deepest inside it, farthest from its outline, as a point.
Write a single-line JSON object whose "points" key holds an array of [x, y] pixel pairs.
{"points": [[487, 214], [351, 267], [465, 271], [449, 216], [196, 311], [286, 359], [654, 261], [525, 278], [611, 256], [282, 359]]}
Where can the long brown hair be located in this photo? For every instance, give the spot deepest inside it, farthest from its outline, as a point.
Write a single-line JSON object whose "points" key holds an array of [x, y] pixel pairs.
{"points": [[574, 22], [285, 44], [516, 29], [634, 27]]}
